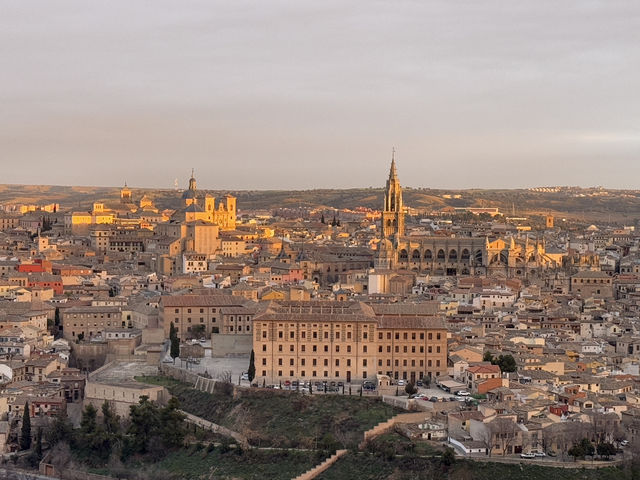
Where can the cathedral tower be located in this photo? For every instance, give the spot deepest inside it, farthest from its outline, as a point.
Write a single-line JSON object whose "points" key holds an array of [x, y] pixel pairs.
{"points": [[393, 212]]}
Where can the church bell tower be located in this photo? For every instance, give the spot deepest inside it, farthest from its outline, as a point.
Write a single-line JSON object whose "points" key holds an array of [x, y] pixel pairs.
{"points": [[393, 212]]}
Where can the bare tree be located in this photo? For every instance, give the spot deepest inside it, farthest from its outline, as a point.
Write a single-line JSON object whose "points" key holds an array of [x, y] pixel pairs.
{"points": [[574, 432], [486, 437], [547, 437], [224, 376], [505, 431]]}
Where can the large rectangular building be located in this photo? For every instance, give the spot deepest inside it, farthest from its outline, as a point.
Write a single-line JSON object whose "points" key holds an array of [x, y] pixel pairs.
{"points": [[340, 341], [189, 311]]}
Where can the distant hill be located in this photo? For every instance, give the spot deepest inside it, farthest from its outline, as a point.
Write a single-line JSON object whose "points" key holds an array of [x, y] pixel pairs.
{"points": [[585, 204]]}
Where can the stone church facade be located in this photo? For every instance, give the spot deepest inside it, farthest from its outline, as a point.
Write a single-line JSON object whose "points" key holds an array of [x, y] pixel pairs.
{"points": [[453, 255]]}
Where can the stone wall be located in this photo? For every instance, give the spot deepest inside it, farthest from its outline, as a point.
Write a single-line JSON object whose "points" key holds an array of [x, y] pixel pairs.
{"points": [[318, 469], [418, 417], [89, 356]]}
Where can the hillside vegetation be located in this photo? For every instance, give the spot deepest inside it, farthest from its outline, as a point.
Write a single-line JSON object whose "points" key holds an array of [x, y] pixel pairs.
{"points": [[281, 418]]}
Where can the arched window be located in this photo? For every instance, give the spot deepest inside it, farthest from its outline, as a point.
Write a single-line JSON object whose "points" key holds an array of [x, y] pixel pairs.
{"points": [[440, 254], [478, 256], [465, 255], [415, 256], [428, 255], [404, 256], [453, 255]]}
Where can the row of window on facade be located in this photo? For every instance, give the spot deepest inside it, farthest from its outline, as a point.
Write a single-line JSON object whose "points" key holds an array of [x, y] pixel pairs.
{"points": [[365, 335], [405, 348], [314, 374], [177, 310], [314, 362]]}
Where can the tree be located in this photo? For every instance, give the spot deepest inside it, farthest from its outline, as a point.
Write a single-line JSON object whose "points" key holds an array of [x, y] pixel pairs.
{"points": [[110, 420], [198, 331], [38, 448], [426, 381], [175, 348], [506, 362], [172, 428], [60, 431], [88, 423], [410, 388], [486, 437], [448, 457], [25, 433], [505, 430], [576, 451], [606, 449], [144, 424], [588, 447], [251, 371], [322, 219]]}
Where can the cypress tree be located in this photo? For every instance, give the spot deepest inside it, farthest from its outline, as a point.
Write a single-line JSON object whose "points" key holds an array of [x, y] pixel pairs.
{"points": [[25, 434], [175, 348], [175, 342], [38, 448], [251, 372]]}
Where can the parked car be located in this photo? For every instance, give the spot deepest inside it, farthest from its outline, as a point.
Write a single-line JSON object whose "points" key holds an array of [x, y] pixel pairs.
{"points": [[433, 399], [245, 376], [527, 455], [540, 454], [462, 393], [419, 383], [401, 383], [552, 453], [624, 443]]}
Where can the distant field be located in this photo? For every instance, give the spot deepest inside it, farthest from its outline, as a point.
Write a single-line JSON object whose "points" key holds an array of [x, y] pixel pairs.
{"points": [[284, 419]]}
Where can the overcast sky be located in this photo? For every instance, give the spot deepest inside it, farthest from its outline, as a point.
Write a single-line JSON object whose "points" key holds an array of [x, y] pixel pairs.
{"points": [[295, 94]]}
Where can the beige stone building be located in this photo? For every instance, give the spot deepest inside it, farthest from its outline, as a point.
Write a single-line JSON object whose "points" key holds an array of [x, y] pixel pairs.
{"points": [[188, 311], [592, 284], [345, 341], [90, 320], [451, 255]]}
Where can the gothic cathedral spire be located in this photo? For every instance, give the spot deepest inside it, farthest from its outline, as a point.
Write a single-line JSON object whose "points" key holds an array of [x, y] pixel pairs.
{"points": [[393, 212]]}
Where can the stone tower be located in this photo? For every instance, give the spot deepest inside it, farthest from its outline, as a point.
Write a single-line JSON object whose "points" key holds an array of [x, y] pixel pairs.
{"points": [[393, 211], [125, 194]]}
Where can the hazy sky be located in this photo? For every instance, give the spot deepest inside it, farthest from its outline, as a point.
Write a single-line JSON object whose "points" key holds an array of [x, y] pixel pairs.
{"points": [[298, 94]]}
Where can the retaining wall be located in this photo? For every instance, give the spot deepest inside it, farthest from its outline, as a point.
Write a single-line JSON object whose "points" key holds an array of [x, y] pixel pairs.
{"points": [[318, 469]]}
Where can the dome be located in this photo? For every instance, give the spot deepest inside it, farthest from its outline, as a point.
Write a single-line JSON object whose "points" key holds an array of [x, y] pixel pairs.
{"points": [[189, 194]]}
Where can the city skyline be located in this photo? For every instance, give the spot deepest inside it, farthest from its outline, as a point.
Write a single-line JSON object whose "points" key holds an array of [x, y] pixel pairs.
{"points": [[263, 97]]}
